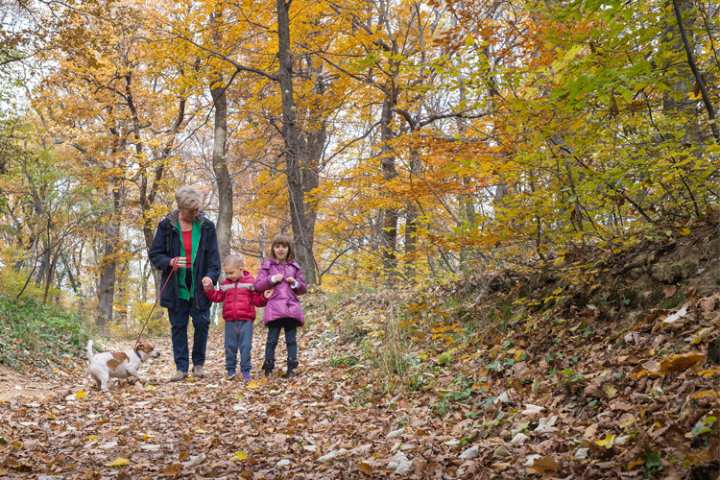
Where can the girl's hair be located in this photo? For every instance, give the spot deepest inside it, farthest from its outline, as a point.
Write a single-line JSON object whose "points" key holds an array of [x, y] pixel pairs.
{"points": [[234, 259], [282, 240]]}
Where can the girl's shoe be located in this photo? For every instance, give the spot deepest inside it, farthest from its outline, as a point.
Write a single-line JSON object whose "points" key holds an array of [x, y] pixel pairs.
{"points": [[291, 369]]}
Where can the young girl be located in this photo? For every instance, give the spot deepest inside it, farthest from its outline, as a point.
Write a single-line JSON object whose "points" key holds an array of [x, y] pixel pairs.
{"points": [[239, 301], [283, 311]]}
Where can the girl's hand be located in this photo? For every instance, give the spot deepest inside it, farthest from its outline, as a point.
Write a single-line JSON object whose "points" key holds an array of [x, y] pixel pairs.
{"points": [[267, 293], [276, 278], [207, 283], [290, 280]]}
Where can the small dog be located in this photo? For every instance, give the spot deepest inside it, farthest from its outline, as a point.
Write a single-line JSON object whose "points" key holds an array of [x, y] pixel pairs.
{"points": [[125, 364]]}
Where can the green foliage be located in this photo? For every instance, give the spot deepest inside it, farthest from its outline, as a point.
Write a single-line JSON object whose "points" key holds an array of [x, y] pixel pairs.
{"points": [[653, 464], [33, 333], [702, 426], [346, 361], [156, 325]]}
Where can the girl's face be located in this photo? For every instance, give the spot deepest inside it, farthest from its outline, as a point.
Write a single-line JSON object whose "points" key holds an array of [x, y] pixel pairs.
{"points": [[280, 251]]}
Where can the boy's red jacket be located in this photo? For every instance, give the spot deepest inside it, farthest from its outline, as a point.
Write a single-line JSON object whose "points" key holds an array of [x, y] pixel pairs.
{"points": [[239, 301]]}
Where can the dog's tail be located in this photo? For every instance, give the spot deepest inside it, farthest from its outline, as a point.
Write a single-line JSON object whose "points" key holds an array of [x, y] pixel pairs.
{"points": [[90, 353]]}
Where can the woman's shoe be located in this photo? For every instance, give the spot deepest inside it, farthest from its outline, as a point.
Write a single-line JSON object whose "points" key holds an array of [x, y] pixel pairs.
{"points": [[179, 375]]}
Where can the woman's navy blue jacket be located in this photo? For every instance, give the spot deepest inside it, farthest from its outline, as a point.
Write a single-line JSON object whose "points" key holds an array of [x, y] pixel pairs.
{"points": [[166, 246]]}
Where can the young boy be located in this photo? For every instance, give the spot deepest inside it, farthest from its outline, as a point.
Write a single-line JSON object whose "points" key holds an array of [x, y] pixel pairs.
{"points": [[239, 301]]}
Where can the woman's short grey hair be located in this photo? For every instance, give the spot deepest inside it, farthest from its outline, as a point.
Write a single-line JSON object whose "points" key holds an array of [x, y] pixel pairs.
{"points": [[188, 198]]}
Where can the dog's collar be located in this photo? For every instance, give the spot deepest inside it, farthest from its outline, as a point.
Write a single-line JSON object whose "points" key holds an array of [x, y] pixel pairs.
{"points": [[138, 355]]}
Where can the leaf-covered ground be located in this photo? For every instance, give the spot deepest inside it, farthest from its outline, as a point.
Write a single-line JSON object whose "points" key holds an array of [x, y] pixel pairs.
{"points": [[312, 426], [559, 398]]}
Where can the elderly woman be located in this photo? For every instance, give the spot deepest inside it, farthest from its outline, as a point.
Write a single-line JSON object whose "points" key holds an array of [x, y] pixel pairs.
{"points": [[185, 244]]}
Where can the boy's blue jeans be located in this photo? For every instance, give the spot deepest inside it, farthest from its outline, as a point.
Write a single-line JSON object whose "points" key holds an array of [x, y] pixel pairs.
{"points": [[238, 335]]}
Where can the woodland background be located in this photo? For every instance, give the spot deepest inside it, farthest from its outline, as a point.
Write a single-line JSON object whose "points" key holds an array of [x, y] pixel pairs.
{"points": [[399, 141]]}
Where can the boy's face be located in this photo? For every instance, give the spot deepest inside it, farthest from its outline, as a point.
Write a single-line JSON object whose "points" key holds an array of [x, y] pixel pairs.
{"points": [[234, 271]]}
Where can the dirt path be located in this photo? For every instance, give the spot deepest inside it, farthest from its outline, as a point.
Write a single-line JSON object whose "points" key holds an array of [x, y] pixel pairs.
{"points": [[16, 387], [318, 425]]}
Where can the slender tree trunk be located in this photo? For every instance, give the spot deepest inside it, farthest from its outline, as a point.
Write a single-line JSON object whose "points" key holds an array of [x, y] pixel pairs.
{"points": [[291, 136], [108, 263], [693, 66], [411, 215], [68, 270], [390, 215], [222, 173]]}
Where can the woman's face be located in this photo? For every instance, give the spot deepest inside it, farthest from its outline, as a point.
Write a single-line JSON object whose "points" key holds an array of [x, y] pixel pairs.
{"points": [[188, 214], [280, 251]]}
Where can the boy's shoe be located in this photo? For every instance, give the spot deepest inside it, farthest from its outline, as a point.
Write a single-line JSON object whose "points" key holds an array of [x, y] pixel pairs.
{"points": [[246, 377], [268, 372], [231, 376], [198, 371], [179, 375]]}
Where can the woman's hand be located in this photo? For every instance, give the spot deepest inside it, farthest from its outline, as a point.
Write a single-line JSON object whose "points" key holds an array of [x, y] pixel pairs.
{"points": [[207, 283], [290, 280]]}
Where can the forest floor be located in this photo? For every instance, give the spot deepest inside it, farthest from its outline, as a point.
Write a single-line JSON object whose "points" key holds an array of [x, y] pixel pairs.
{"points": [[306, 427], [608, 373]]}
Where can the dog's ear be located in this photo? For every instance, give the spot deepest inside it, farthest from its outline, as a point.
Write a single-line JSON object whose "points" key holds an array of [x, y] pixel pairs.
{"points": [[146, 347]]}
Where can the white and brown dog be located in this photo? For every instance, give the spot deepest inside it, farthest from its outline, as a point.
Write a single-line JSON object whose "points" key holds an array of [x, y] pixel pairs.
{"points": [[125, 364]]}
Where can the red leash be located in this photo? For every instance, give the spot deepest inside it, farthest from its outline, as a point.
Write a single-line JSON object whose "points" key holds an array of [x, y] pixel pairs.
{"points": [[157, 300]]}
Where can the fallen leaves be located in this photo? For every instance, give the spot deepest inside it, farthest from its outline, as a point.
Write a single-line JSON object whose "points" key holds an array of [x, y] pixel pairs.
{"points": [[470, 453], [542, 464], [400, 463], [171, 470], [240, 456], [119, 462], [680, 362], [673, 364], [508, 421], [607, 442]]}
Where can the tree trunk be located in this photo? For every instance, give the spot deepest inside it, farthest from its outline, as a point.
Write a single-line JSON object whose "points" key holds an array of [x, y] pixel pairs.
{"points": [[390, 215], [291, 136], [108, 264], [411, 214], [693, 66], [222, 173]]}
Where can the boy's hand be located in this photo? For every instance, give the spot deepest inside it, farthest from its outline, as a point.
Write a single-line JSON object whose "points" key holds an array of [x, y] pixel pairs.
{"points": [[276, 278], [267, 293], [174, 263], [207, 283], [290, 280]]}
